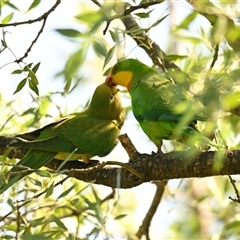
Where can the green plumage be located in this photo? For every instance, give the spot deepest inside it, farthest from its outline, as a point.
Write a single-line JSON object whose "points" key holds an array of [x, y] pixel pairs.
{"points": [[163, 109], [93, 132]]}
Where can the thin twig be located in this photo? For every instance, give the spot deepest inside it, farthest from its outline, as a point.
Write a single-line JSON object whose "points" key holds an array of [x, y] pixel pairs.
{"points": [[126, 11], [41, 18], [237, 199], [44, 16], [97, 3], [144, 228]]}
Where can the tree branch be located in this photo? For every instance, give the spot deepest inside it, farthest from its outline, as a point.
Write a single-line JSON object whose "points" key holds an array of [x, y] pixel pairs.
{"points": [[155, 167], [144, 228], [41, 18], [44, 16]]}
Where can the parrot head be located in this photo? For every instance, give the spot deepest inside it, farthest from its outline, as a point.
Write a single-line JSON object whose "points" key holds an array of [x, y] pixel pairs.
{"points": [[122, 73], [106, 103]]}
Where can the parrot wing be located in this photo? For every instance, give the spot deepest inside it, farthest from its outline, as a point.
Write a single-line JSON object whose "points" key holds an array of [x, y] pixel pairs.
{"points": [[87, 135], [158, 99], [99, 136]]}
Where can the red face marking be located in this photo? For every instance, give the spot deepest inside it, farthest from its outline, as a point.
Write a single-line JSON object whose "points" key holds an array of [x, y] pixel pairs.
{"points": [[109, 82]]}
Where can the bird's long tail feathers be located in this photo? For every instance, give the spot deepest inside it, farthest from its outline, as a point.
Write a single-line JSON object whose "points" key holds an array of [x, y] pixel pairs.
{"points": [[196, 136], [34, 159]]}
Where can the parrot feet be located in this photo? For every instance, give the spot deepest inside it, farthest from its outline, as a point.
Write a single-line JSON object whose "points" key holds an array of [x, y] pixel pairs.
{"points": [[159, 151]]}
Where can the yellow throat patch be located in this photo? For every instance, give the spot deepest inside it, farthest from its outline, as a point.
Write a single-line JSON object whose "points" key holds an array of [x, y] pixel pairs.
{"points": [[123, 78]]}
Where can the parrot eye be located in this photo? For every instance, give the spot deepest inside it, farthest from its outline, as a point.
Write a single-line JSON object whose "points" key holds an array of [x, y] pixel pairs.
{"points": [[111, 97]]}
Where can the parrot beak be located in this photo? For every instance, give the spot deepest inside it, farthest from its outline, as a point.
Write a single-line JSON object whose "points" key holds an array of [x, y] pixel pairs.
{"points": [[109, 82]]}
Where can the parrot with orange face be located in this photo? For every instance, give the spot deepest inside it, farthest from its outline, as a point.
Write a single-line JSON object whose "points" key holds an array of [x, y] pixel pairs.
{"points": [[163, 109]]}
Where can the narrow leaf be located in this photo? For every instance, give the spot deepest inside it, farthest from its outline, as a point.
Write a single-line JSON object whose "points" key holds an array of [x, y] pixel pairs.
{"points": [[109, 55], [34, 237], [114, 36], [18, 71], [35, 68], [143, 14], [32, 76], [27, 67], [49, 190], [66, 192], [11, 5], [4, 43], [68, 32], [8, 18], [59, 222], [120, 216], [185, 23], [43, 173], [157, 22], [20, 85], [33, 87], [74, 63], [100, 48], [10, 202], [37, 221], [34, 4]]}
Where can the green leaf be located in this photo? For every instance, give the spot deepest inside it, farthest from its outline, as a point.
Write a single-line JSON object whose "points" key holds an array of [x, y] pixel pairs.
{"points": [[100, 48], [68, 32], [37, 221], [185, 23], [73, 64], [32, 76], [33, 87], [35, 182], [98, 200], [20, 85], [49, 190], [43, 173], [89, 203], [11, 5], [109, 55], [71, 237], [120, 216], [6, 237], [93, 19], [34, 4], [35, 68], [66, 192], [175, 57], [11, 203], [4, 43], [8, 18], [18, 71], [25, 69], [157, 22], [114, 36], [90, 17], [143, 14], [35, 237], [59, 223]]}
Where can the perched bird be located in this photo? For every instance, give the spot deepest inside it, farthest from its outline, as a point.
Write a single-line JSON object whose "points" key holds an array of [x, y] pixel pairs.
{"points": [[163, 109], [82, 135]]}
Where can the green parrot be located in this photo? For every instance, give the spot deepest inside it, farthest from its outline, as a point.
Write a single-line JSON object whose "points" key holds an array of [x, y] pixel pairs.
{"points": [[163, 109], [82, 135]]}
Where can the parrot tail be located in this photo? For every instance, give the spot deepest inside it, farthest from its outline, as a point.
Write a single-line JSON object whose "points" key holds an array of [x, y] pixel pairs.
{"points": [[34, 159]]}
